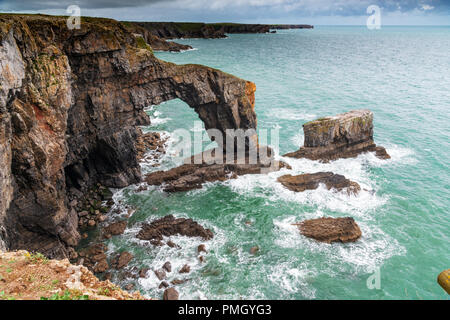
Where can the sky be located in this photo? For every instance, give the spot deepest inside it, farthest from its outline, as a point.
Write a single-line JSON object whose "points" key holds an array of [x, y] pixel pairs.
{"points": [[316, 12]]}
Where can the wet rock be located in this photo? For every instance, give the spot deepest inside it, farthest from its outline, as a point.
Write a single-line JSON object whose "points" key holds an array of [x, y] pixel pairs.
{"points": [[342, 136], [201, 258], [143, 272], [150, 141], [92, 223], [115, 228], [170, 294], [331, 229], [129, 287], [163, 284], [160, 274], [201, 248], [94, 258], [311, 181], [185, 269], [167, 266], [172, 244], [254, 250], [192, 176], [169, 226], [101, 266], [122, 260], [178, 281]]}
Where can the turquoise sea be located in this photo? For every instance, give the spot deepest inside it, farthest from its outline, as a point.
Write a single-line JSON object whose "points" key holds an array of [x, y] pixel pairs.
{"points": [[402, 74]]}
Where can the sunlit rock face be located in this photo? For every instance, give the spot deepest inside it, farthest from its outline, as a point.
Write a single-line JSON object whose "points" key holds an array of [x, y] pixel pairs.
{"points": [[341, 136]]}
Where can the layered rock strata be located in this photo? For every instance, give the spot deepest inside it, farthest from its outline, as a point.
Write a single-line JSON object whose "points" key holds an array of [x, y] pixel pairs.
{"points": [[345, 135], [192, 175], [70, 101], [310, 181]]}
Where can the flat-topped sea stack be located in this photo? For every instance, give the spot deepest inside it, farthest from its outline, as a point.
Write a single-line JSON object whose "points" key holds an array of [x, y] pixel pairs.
{"points": [[330, 229], [310, 181], [344, 135]]}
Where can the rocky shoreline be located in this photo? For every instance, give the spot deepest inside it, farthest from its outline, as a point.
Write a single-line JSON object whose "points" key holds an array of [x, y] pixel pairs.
{"points": [[156, 33], [72, 104]]}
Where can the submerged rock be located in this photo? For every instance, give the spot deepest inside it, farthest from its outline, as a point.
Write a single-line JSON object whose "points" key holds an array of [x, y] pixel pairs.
{"points": [[342, 136], [330, 229], [311, 181], [169, 226], [115, 228]]}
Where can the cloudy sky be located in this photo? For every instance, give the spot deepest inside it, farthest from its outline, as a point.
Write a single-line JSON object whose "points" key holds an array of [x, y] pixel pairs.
{"points": [[317, 12]]}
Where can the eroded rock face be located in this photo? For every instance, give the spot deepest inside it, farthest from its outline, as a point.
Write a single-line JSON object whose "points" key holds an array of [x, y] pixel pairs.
{"points": [[169, 226], [342, 136], [70, 104], [331, 229], [192, 176], [310, 181]]}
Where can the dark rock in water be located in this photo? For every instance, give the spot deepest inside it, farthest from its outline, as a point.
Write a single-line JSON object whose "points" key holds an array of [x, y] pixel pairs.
{"points": [[311, 181], [122, 260], [201, 248], [330, 229], [254, 250], [168, 226], [192, 176], [167, 266], [129, 287], [94, 258], [170, 294], [178, 281], [115, 228], [185, 269], [172, 244], [342, 136], [143, 272], [160, 274], [163, 284]]}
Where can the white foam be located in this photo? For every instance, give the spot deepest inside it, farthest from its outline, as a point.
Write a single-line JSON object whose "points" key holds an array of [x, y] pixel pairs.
{"points": [[290, 114]]}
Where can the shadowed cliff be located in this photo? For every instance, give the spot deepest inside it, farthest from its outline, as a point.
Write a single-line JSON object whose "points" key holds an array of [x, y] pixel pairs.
{"points": [[70, 101]]}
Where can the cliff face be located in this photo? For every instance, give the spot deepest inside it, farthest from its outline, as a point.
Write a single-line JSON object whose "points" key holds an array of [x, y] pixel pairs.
{"points": [[176, 30], [70, 101]]}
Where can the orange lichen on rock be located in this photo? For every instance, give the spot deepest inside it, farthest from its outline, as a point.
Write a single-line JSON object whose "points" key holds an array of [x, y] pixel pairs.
{"points": [[250, 89]]}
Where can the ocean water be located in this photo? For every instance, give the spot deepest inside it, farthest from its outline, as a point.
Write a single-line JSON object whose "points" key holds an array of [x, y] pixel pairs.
{"points": [[402, 74]]}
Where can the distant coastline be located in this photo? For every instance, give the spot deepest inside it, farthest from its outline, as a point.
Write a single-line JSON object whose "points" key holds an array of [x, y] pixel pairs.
{"points": [[156, 33]]}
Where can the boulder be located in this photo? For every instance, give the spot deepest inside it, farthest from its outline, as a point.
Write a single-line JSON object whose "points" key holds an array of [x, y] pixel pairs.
{"points": [[122, 260], [185, 269], [330, 229], [342, 136], [168, 226], [170, 294], [115, 228], [167, 266], [310, 181]]}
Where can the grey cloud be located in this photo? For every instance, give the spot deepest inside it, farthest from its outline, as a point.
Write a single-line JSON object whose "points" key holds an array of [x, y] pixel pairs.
{"points": [[62, 4]]}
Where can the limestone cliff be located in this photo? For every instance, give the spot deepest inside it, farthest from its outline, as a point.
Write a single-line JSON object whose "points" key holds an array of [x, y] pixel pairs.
{"points": [[70, 101]]}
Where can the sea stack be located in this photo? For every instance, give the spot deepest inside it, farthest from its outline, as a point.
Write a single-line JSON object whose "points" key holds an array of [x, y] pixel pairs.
{"points": [[344, 135]]}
